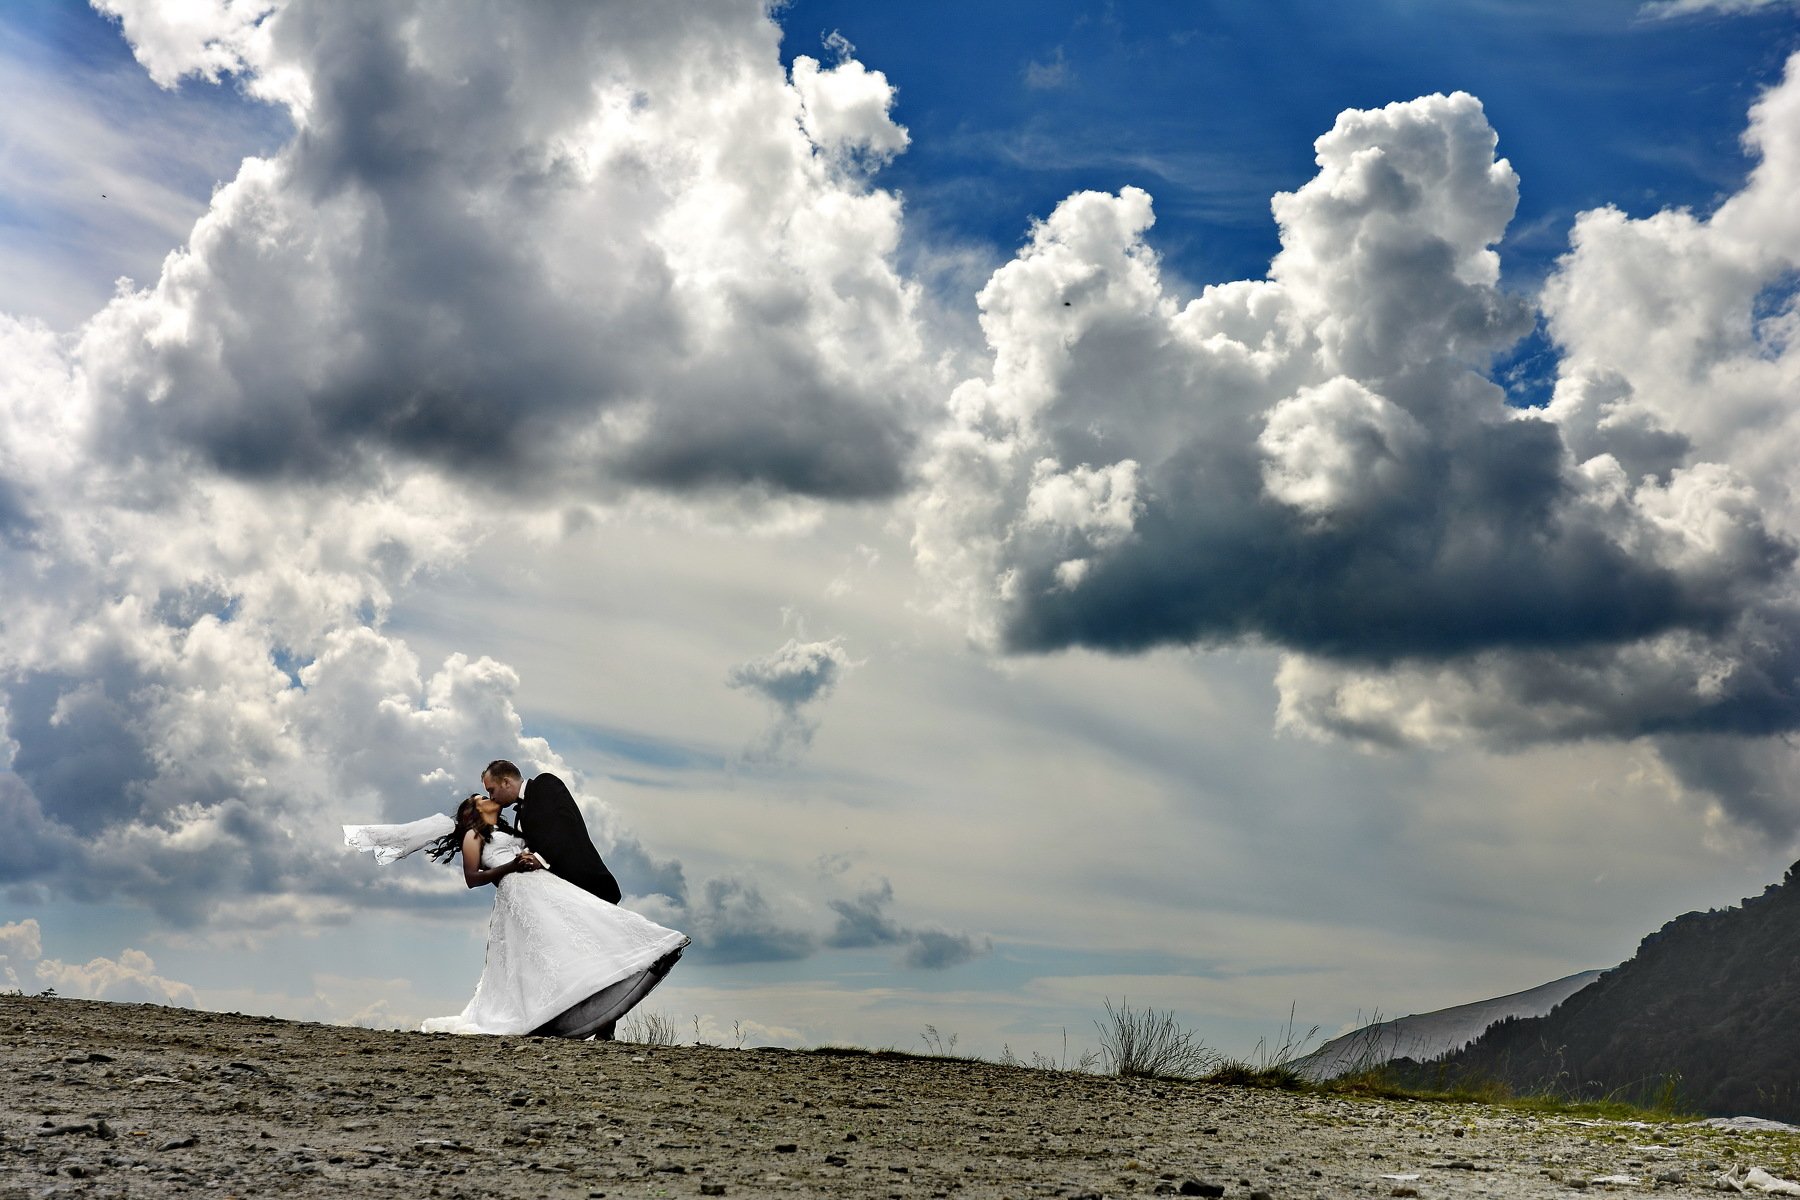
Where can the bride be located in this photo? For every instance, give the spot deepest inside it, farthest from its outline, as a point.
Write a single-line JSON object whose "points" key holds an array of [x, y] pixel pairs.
{"points": [[560, 961]]}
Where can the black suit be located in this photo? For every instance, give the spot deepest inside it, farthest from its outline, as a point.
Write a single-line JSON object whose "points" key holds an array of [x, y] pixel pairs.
{"points": [[551, 824]]}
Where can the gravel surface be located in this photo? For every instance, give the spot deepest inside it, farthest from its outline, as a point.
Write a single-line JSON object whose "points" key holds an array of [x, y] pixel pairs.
{"points": [[136, 1100]]}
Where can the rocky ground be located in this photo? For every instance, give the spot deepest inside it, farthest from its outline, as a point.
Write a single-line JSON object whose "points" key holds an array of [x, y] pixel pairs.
{"points": [[135, 1100]]}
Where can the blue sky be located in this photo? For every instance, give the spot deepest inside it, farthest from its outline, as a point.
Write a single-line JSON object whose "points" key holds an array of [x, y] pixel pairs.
{"points": [[1212, 107], [958, 599]]}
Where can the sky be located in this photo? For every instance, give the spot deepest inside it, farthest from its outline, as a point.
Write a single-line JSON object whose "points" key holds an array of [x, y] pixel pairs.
{"points": [[995, 509]]}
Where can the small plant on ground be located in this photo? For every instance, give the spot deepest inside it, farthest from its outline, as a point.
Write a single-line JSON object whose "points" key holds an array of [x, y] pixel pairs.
{"points": [[1270, 1065], [1087, 1062], [936, 1043], [648, 1029], [1145, 1043]]}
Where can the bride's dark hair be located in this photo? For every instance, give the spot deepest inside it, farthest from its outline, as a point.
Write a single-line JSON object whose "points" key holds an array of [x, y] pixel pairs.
{"points": [[468, 817]]}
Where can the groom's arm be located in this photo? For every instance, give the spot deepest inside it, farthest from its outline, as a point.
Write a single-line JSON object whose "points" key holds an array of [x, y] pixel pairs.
{"points": [[557, 827]]}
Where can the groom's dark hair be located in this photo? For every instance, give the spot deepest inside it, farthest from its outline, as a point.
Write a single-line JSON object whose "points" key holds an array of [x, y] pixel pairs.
{"points": [[501, 769]]}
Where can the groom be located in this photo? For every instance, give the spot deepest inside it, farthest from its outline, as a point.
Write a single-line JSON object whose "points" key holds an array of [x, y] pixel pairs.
{"points": [[551, 825]]}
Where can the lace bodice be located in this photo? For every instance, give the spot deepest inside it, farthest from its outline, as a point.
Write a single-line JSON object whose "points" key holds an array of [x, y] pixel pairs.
{"points": [[503, 847]]}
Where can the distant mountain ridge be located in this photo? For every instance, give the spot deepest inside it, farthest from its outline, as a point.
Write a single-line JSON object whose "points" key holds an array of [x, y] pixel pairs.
{"points": [[1431, 1035], [1710, 1003]]}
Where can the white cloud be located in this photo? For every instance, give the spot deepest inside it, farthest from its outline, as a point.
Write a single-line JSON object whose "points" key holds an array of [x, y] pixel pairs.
{"points": [[131, 978], [1662, 9], [844, 109], [1318, 460], [205, 38], [21, 945]]}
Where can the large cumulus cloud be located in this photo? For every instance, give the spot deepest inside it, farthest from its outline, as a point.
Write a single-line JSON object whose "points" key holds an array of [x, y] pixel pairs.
{"points": [[560, 248], [1319, 461]]}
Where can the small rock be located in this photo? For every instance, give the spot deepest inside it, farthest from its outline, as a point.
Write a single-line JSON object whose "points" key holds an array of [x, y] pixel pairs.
{"points": [[836, 1160], [1577, 1184], [1261, 1196], [712, 1189], [1193, 1187], [70, 1127], [1671, 1177], [786, 1148], [901, 1170], [180, 1143], [1405, 1189], [1461, 1164]]}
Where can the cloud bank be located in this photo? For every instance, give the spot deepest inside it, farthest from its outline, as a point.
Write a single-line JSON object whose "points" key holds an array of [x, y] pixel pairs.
{"points": [[518, 259], [1320, 462]]}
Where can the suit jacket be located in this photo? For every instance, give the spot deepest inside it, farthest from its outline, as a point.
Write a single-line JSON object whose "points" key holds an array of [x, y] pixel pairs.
{"points": [[549, 821]]}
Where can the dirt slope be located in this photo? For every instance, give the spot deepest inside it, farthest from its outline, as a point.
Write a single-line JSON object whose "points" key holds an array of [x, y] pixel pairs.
{"points": [[135, 1100]]}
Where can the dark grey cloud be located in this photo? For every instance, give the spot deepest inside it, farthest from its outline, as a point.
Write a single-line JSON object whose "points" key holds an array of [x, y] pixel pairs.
{"points": [[641, 873], [937, 950], [863, 921], [518, 245], [1319, 461], [78, 751], [733, 922]]}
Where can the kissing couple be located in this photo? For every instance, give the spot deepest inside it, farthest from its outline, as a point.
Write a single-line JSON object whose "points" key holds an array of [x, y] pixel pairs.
{"points": [[563, 959]]}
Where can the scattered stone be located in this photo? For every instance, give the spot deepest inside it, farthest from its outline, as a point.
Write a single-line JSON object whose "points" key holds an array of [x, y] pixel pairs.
{"points": [[712, 1189], [1193, 1187], [1404, 1189], [836, 1160], [180, 1143], [70, 1127]]}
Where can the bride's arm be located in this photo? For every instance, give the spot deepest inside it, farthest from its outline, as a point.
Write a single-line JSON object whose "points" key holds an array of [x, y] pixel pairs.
{"points": [[474, 875]]}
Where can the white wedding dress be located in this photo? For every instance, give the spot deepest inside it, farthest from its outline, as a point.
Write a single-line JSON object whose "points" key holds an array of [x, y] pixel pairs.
{"points": [[551, 947]]}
